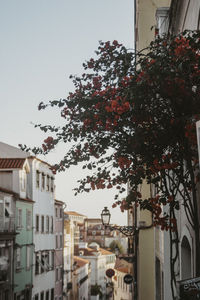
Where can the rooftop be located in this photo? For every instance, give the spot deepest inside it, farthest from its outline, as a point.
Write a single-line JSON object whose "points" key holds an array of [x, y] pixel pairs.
{"points": [[73, 213], [12, 163], [80, 261]]}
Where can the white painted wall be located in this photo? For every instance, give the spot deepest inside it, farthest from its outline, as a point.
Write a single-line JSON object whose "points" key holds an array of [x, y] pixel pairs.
{"points": [[44, 205], [83, 290]]}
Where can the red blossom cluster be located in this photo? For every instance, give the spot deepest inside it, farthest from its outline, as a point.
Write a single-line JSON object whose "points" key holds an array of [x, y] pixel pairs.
{"points": [[124, 162], [182, 45], [49, 144]]}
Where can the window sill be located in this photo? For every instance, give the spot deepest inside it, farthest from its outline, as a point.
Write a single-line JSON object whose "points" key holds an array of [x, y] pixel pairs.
{"points": [[18, 270]]}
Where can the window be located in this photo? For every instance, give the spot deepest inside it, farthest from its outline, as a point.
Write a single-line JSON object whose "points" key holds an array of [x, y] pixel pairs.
{"points": [[52, 260], [42, 296], [19, 218], [28, 257], [42, 224], [61, 213], [37, 263], [162, 20], [37, 222], [61, 241], [37, 179], [43, 262], [43, 181], [36, 297], [47, 295], [57, 275], [23, 180], [56, 241], [28, 219], [47, 183], [56, 212], [51, 224], [47, 260], [52, 184], [52, 294], [18, 258], [47, 224]]}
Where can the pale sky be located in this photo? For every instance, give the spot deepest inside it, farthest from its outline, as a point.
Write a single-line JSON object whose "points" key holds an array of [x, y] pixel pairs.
{"points": [[42, 42]]}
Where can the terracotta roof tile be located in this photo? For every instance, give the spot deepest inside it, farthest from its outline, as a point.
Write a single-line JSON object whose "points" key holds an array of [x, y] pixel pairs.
{"points": [[80, 261], [105, 252], [122, 269], [12, 163], [85, 251], [8, 191], [91, 251], [73, 213]]}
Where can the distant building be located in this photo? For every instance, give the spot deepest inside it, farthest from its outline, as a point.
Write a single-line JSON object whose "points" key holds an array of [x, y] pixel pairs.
{"points": [[94, 231], [72, 220], [121, 289], [82, 277], [59, 241], [100, 260], [78, 220]]}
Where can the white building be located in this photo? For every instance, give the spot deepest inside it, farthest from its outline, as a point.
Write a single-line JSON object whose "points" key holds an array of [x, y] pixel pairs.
{"points": [[82, 274], [40, 188], [100, 260], [42, 183]]}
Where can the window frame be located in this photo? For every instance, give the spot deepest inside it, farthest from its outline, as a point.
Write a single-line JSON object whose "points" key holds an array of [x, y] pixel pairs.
{"points": [[42, 223], [28, 219], [47, 224], [37, 223], [19, 218], [37, 179], [48, 183], [28, 257], [18, 258]]}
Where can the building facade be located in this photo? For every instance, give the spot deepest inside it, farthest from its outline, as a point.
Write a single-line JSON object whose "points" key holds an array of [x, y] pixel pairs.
{"points": [[100, 260], [7, 242], [59, 241]]}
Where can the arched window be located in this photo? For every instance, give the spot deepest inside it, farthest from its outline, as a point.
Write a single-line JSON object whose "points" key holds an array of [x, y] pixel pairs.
{"points": [[185, 259]]}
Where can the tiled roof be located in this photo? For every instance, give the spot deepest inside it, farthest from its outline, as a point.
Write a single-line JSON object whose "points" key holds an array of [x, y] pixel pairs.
{"points": [[122, 269], [8, 191], [73, 213], [12, 163], [94, 220], [86, 251], [90, 251], [26, 199], [80, 261], [105, 252]]}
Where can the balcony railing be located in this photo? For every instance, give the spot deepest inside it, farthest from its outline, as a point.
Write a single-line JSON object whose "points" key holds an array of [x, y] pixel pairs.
{"points": [[7, 224]]}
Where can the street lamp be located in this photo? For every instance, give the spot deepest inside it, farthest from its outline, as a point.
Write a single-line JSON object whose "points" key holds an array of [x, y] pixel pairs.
{"points": [[105, 216], [128, 231]]}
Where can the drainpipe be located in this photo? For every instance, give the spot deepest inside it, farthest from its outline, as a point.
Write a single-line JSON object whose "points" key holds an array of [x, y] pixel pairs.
{"points": [[135, 247], [63, 221]]}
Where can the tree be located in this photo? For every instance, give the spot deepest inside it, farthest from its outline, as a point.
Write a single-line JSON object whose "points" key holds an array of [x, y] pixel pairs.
{"points": [[133, 118], [116, 244]]}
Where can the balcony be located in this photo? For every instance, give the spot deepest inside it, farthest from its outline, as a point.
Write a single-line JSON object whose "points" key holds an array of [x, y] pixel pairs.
{"points": [[7, 225]]}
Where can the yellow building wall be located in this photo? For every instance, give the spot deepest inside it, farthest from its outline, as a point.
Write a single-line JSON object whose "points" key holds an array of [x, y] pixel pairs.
{"points": [[145, 31]]}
